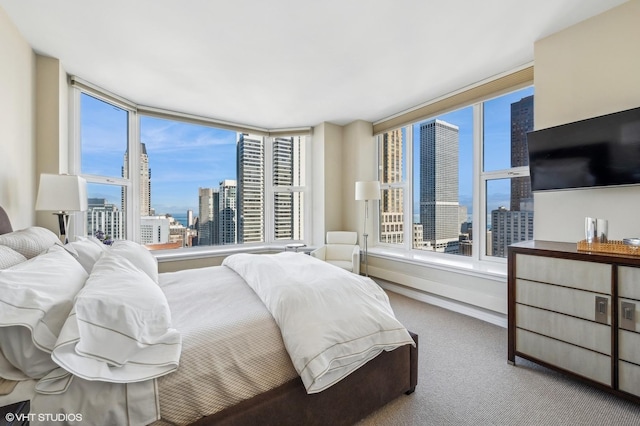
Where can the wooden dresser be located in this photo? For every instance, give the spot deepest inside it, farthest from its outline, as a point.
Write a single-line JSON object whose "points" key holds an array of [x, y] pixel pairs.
{"points": [[576, 312]]}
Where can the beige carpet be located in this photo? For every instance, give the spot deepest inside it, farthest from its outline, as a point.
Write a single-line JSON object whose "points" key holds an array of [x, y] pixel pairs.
{"points": [[464, 379]]}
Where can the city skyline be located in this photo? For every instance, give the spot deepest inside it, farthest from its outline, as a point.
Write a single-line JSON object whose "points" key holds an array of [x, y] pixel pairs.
{"points": [[185, 157]]}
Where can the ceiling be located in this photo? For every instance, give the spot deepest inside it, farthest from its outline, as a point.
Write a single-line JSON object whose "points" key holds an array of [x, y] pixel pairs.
{"points": [[291, 63]]}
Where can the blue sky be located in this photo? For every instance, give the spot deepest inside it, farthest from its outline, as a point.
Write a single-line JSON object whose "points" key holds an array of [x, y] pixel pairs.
{"points": [[184, 157], [497, 139]]}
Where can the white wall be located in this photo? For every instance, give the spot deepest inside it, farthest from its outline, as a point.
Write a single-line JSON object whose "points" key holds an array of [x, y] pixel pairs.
{"points": [[17, 118], [587, 70]]}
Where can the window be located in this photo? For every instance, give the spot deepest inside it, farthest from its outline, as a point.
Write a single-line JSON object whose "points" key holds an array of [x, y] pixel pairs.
{"points": [[442, 182], [169, 180], [473, 157], [188, 182], [288, 182], [105, 130], [392, 169], [508, 198]]}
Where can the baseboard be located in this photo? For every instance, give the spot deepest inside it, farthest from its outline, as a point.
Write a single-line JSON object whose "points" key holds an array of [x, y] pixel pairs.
{"points": [[449, 304]]}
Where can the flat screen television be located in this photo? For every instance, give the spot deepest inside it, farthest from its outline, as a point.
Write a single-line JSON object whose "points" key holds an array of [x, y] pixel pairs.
{"points": [[596, 152]]}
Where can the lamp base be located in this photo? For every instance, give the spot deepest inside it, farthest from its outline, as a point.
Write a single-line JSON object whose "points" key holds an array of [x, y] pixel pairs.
{"points": [[63, 223], [366, 250]]}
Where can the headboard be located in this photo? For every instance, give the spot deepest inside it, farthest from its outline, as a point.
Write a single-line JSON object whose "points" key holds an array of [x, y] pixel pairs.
{"points": [[5, 223]]}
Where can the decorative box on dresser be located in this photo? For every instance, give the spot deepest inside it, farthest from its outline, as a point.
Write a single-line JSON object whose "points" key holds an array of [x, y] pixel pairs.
{"points": [[576, 312]]}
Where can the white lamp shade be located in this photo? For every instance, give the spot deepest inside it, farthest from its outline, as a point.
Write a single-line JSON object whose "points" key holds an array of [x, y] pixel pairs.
{"points": [[62, 193], [368, 190]]}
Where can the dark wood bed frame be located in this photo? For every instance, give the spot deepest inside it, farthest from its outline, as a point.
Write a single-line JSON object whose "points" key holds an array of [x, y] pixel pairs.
{"points": [[370, 387], [373, 385]]}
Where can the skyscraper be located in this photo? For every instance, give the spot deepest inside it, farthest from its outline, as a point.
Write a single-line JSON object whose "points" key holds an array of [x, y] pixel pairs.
{"points": [[439, 185], [250, 197], [105, 217], [509, 227], [227, 212], [391, 211], [145, 181], [288, 171], [208, 200], [283, 176], [521, 123]]}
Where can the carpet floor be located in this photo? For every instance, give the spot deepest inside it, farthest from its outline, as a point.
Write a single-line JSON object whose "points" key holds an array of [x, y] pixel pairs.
{"points": [[464, 379]]}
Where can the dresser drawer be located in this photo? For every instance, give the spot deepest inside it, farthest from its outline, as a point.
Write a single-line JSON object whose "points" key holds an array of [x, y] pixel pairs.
{"points": [[629, 282], [587, 334], [580, 361], [577, 303], [629, 346], [629, 378], [629, 314], [589, 276]]}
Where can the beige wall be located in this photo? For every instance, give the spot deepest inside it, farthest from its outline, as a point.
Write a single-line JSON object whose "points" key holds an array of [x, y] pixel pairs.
{"points": [[360, 155], [342, 155], [327, 180], [587, 70], [52, 146], [17, 118], [333, 178]]}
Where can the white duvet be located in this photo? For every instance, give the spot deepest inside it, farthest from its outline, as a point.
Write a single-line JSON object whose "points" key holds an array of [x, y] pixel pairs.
{"points": [[332, 321]]}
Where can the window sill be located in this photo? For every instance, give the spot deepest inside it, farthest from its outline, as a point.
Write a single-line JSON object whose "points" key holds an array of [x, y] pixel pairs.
{"points": [[496, 271], [204, 252]]}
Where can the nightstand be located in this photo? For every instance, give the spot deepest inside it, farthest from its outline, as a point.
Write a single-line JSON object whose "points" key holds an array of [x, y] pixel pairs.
{"points": [[15, 414], [294, 247]]}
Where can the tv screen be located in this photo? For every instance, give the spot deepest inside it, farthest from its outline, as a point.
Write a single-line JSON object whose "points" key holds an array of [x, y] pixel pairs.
{"points": [[600, 151]]}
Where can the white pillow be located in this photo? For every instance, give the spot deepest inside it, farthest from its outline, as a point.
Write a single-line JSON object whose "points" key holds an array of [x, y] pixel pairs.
{"points": [[120, 328], [88, 252], [36, 297], [10, 257], [139, 255], [30, 242]]}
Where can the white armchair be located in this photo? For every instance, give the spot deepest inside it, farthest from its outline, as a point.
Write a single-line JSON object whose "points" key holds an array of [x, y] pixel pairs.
{"points": [[341, 250]]}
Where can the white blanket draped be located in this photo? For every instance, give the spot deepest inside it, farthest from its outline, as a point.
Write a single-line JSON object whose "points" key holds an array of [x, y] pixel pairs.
{"points": [[332, 321]]}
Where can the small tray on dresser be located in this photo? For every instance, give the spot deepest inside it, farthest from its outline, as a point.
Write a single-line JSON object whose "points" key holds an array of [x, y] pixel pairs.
{"points": [[612, 246]]}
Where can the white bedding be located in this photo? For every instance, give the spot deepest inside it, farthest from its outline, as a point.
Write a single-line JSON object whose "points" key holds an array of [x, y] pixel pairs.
{"points": [[233, 348], [332, 321], [230, 344]]}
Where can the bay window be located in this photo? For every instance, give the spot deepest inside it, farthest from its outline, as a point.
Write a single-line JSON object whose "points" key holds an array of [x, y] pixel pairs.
{"points": [[170, 180]]}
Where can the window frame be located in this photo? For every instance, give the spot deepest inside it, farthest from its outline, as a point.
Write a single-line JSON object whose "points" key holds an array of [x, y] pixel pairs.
{"points": [[479, 193], [271, 189], [77, 87], [75, 156]]}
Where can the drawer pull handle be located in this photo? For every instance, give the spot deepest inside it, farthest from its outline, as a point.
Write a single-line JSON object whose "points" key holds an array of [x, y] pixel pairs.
{"points": [[628, 321], [601, 307], [628, 313]]}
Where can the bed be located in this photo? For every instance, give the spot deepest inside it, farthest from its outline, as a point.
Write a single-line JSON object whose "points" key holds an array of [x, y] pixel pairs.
{"points": [[232, 352]]}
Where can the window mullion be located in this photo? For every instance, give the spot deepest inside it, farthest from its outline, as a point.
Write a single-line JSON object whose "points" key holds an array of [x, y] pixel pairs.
{"points": [[408, 190], [479, 204], [79, 221]]}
